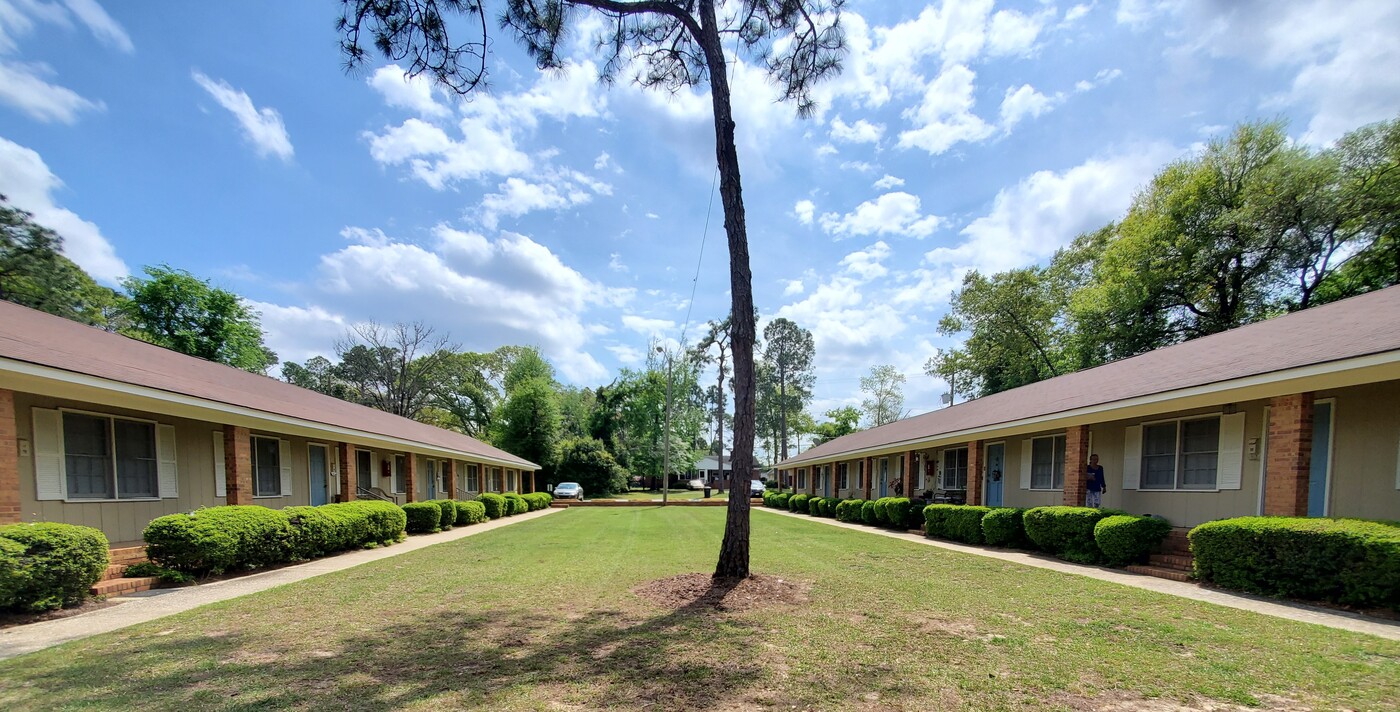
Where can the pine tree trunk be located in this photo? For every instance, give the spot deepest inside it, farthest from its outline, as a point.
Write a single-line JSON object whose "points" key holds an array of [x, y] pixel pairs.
{"points": [[734, 550]]}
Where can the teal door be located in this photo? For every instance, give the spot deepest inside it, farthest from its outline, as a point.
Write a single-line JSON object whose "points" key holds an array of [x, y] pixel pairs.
{"points": [[1321, 458], [996, 471], [884, 478], [318, 463]]}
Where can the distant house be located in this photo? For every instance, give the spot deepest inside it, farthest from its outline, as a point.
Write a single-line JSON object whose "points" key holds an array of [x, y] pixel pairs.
{"points": [[1296, 416], [708, 468], [110, 432]]}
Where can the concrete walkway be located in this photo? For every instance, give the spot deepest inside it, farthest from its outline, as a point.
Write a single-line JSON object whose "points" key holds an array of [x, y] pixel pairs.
{"points": [[150, 605], [1341, 620]]}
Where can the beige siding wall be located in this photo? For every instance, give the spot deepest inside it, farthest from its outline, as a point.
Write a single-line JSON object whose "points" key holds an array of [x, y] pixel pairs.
{"points": [[1366, 447]]}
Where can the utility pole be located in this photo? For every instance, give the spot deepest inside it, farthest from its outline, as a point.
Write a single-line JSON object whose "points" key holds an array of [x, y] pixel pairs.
{"points": [[666, 457]]}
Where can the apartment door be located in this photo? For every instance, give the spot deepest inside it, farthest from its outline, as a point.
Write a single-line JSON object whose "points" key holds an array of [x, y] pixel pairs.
{"points": [[884, 477], [1320, 468], [996, 470], [318, 462], [430, 468], [364, 469]]}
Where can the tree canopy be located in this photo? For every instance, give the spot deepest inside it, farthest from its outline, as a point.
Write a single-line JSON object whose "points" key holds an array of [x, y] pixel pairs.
{"points": [[173, 308]]}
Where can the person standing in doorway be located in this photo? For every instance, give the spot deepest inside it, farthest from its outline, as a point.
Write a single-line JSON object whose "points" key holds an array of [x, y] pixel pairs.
{"points": [[1094, 484]]}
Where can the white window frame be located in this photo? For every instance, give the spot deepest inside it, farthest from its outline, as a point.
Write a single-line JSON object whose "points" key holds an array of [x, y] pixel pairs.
{"points": [[843, 476], [919, 473], [943, 479], [860, 475], [1177, 455], [400, 461], [111, 433], [1053, 464], [372, 458], [253, 465]]}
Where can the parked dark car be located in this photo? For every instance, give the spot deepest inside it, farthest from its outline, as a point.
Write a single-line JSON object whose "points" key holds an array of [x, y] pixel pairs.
{"points": [[756, 488]]}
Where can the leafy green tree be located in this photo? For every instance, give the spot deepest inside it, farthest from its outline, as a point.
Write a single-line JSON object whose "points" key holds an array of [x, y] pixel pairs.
{"points": [[673, 45], [529, 424], [576, 406], [885, 390], [1014, 337], [317, 374], [1368, 170], [790, 351], [463, 392], [392, 368], [587, 462], [839, 421], [714, 348], [174, 309], [34, 273]]}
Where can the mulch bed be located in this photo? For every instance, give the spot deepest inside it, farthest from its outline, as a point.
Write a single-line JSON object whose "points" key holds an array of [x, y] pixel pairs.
{"points": [[704, 592], [10, 619]]}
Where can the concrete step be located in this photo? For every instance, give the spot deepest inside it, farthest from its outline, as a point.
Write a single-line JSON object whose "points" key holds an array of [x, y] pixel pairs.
{"points": [[120, 586], [1172, 561], [1160, 572]]}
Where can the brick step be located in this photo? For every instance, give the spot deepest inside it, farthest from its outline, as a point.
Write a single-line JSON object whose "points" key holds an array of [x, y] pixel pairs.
{"points": [[127, 555], [1172, 561], [120, 586], [114, 571], [1162, 573]]}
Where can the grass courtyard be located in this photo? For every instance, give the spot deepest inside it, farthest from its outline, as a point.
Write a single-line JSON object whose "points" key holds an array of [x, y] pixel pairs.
{"points": [[540, 616], [676, 494]]}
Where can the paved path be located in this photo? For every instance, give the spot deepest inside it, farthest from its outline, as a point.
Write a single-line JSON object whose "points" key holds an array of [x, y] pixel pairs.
{"points": [[1267, 606], [150, 605]]}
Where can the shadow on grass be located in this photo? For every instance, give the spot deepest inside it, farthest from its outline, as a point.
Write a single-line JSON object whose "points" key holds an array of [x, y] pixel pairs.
{"points": [[689, 658]]}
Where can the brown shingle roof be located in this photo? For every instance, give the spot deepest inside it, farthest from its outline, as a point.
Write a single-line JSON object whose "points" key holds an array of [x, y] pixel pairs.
{"points": [[1360, 326], [46, 340]]}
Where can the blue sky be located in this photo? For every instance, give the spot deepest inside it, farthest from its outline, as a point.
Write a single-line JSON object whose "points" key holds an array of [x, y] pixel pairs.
{"points": [[552, 210]]}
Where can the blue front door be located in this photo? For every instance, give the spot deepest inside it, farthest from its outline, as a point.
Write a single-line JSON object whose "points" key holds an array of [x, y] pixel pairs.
{"points": [[431, 470], [884, 477], [996, 471], [316, 459], [1321, 456]]}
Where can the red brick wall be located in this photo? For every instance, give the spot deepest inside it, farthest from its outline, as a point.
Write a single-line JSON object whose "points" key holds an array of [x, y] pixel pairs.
{"points": [[974, 472], [9, 459], [238, 465], [1076, 460], [869, 474], [348, 480], [910, 462], [1290, 455], [450, 472], [410, 476]]}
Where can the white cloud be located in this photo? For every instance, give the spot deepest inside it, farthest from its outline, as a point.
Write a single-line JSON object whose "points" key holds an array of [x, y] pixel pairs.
{"points": [[22, 86], [1103, 77], [793, 286], [1022, 102], [826, 149], [29, 184], [556, 190], [1045, 211], [417, 94], [17, 19], [896, 213], [647, 326], [103, 27], [439, 160], [944, 118], [1012, 33], [888, 182], [299, 333], [861, 131], [262, 127], [615, 262], [653, 216], [804, 210], [1075, 13], [857, 166], [627, 355], [605, 162]]}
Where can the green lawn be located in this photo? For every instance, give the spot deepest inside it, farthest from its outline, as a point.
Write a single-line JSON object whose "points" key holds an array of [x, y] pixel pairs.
{"points": [[539, 616], [644, 496]]}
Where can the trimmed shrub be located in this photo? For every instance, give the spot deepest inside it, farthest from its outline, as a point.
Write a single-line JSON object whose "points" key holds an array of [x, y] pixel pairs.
{"points": [[798, 503], [828, 508], [518, 505], [1128, 539], [538, 500], [386, 520], [897, 512], [881, 516], [914, 517], [449, 513], [470, 513], [936, 520], [814, 506], [778, 500], [1350, 561], [495, 504], [423, 517], [1066, 532], [144, 569], [317, 531], [46, 565], [1002, 527], [849, 510], [213, 540], [867, 512]]}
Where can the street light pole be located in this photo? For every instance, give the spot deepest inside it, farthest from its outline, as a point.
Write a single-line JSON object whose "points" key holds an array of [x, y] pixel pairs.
{"points": [[666, 458]]}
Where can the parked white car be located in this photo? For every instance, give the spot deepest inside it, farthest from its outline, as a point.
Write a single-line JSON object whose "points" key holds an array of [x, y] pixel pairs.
{"points": [[568, 490]]}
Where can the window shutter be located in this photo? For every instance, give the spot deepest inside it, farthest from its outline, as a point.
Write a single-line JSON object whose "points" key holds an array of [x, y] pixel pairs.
{"points": [[1026, 463], [284, 459], [1132, 457], [165, 462], [50, 480], [1230, 462], [220, 474]]}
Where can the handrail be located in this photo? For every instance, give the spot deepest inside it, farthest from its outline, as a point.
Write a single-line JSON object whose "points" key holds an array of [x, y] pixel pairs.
{"points": [[363, 493]]}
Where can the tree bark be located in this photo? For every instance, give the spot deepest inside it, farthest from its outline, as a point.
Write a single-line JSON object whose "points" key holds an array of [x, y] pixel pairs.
{"points": [[734, 550]]}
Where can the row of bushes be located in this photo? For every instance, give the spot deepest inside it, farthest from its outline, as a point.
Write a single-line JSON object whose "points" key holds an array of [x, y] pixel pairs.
{"points": [[46, 565], [212, 540], [442, 514], [1080, 534], [1350, 561], [896, 512]]}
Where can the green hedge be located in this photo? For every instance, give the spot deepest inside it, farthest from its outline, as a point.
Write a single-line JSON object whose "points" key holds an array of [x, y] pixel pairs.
{"points": [[849, 510], [449, 513], [798, 503], [1003, 527], [776, 500], [1350, 561], [329, 528], [814, 506], [828, 508], [424, 517], [517, 504], [470, 513], [956, 522], [538, 500], [213, 540], [867, 512], [47, 565], [914, 517], [495, 504], [896, 511], [1128, 539], [1066, 532]]}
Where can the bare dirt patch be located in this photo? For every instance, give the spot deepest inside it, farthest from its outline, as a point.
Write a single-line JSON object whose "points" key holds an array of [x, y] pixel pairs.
{"points": [[1125, 702], [703, 592]]}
